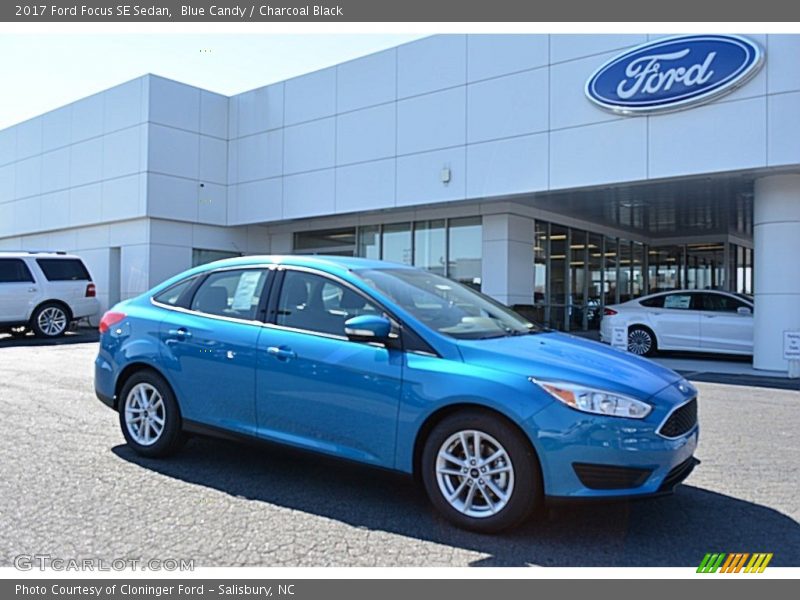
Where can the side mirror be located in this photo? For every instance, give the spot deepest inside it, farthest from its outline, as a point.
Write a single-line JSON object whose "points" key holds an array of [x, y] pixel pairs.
{"points": [[744, 311], [368, 328]]}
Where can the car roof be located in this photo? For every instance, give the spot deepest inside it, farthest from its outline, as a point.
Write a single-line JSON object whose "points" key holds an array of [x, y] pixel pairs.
{"points": [[687, 292], [349, 263], [35, 254]]}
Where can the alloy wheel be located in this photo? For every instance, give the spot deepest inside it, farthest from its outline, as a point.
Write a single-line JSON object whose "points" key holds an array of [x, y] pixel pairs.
{"points": [[474, 473], [52, 321], [639, 342], [144, 414]]}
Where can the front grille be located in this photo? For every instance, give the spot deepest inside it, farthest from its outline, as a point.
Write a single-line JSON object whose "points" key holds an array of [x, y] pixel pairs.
{"points": [[606, 477], [678, 474], [681, 421]]}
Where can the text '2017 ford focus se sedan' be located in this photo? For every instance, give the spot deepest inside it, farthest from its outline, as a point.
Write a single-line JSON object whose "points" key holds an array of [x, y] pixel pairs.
{"points": [[398, 368]]}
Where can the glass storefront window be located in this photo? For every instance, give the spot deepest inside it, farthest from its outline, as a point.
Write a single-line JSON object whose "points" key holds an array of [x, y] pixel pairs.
{"points": [[369, 242], [558, 275], [705, 266], [637, 269], [594, 275], [397, 243], [430, 246], [610, 258], [577, 279], [540, 253], [340, 242], [465, 244], [664, 268], [624, 283], [201, 256], [743, 269]]}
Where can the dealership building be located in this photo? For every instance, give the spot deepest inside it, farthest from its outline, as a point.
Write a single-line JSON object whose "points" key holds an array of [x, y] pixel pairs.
{"points": [[498, 160]]}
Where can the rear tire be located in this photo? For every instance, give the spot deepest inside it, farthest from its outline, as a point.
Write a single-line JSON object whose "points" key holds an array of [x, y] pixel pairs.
{"points": [[149, 415], [488, 487], [50, 320], [641, 341]]}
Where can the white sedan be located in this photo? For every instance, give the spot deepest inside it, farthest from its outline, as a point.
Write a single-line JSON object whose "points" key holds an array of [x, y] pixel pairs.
{"points": [[689, 320]]}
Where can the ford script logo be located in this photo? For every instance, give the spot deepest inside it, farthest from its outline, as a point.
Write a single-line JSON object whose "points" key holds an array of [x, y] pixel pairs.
{"points": [[674, 73]]}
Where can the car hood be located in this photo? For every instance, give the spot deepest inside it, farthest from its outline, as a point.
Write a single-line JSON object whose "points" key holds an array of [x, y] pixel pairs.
{"points": [[561, 357]]}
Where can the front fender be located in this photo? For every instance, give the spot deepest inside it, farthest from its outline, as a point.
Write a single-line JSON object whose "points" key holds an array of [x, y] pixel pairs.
{"points": [[431, 384]]}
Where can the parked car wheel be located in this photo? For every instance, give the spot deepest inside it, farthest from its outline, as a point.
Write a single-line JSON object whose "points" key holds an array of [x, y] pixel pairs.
{"points": [[149, 415], [480, 472], [50, 320], [641, 341]]}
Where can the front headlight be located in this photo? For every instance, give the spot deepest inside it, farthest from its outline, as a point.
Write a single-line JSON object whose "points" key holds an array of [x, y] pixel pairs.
{"points": [[598, 402]]}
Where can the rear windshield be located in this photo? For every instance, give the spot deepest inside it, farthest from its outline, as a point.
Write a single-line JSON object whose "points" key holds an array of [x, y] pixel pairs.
{"points": [[63, 269]]}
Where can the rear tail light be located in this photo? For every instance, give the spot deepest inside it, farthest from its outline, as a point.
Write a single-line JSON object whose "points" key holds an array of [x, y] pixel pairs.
{"points": [[110, 319], [609, 312], [91, 291]]}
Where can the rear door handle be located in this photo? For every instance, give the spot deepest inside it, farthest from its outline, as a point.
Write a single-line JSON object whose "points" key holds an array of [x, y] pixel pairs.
{"points": [[281, 352], [31, 289], [180, 333]]}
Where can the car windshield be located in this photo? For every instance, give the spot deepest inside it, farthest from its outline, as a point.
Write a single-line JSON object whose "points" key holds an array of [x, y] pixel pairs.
{"points": [[446, 306]]}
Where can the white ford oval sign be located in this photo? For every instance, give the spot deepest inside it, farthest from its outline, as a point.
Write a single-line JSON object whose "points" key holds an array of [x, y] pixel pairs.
{"points": [[674, 73]]}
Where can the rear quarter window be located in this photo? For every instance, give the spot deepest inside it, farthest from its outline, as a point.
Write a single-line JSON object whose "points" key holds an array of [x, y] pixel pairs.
{"points": [[176, 294], [657, 302], [63, 269]]}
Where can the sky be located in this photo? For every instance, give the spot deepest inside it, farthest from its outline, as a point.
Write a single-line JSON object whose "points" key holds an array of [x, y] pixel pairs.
{"points": [[42, 72]]}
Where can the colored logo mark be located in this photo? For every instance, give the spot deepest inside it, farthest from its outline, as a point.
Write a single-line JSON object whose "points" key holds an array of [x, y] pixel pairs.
{"points": [[674, 73], [735, 562]]}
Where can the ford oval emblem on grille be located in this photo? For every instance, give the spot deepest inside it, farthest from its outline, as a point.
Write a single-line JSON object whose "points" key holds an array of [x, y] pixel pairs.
{"points": [[674, 73]]}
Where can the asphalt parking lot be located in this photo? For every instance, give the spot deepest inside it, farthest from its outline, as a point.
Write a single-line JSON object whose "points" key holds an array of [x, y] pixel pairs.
{"points": [[72, 489]]}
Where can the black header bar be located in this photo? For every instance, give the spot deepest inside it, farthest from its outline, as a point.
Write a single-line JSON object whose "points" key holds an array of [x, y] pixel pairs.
{"points": [[444, 11]]}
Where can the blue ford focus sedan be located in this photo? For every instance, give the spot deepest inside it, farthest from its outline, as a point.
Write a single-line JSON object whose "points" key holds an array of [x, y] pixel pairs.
{"points": [[398, 368]]}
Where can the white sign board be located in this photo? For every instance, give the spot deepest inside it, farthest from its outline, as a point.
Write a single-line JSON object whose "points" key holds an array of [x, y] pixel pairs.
{"points": [[619, 338], [245, 291], [791, 345]]}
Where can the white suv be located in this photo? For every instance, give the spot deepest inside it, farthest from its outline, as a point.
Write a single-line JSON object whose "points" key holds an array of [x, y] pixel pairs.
{"points": [[44, 292]]}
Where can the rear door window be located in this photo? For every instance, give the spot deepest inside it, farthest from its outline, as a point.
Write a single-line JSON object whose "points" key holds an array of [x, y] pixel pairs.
{"points": [[63, 269], [14, 270], [678, 301], [232, 293]]}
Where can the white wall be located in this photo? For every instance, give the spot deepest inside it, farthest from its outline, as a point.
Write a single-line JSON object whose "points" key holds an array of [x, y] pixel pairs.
{"points": [[80, 164], [505, 113]]}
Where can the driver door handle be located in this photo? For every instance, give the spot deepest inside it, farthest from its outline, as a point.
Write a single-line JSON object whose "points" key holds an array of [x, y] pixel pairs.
{"points": [[181, 332], [281, 352]]}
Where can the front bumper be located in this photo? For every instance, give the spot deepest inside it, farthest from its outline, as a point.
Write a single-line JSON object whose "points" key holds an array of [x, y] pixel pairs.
{"points": [[590, 456]]}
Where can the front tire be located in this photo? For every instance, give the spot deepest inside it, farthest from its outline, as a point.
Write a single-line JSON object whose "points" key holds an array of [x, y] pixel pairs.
{"points": [[481, 472], [50, 320], [149, 416], [641, 341]]}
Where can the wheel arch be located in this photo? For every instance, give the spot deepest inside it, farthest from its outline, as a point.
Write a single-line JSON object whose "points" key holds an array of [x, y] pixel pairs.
{"points": [[60, 303], [442, 413], [642, 325], [131, 370]]}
